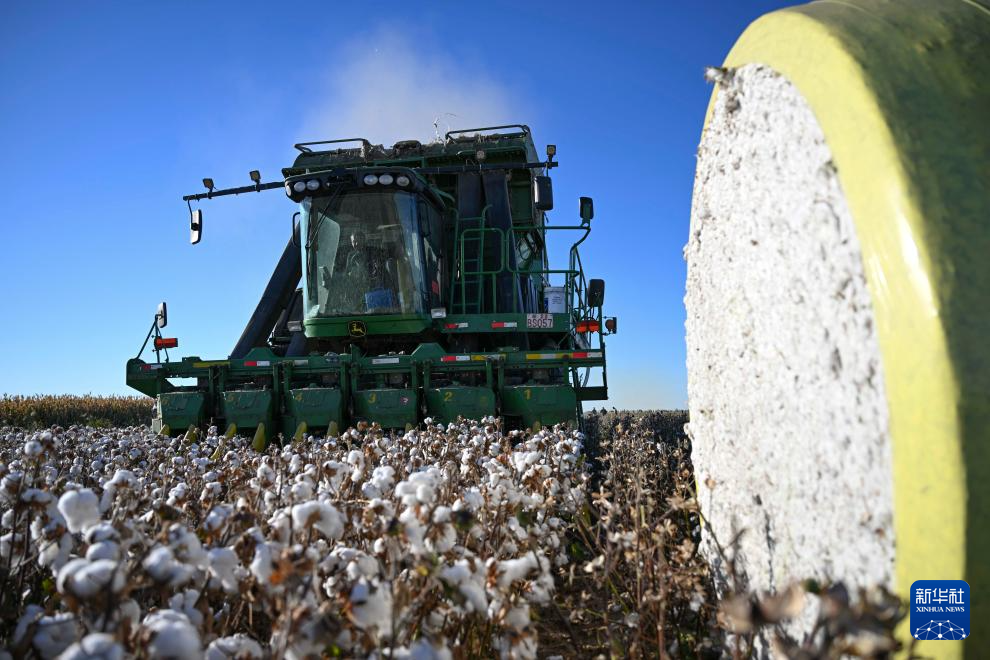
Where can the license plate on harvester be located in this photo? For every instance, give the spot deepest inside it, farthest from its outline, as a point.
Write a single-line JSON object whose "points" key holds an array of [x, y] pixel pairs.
{"points": [[539, 321]]}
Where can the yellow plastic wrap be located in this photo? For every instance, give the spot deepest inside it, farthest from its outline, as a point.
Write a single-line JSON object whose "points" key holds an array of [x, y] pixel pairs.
{"points": [[902, 93]]}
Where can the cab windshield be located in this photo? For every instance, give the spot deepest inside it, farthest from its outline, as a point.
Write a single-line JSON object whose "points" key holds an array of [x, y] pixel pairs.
{"points": [[362, 254]]}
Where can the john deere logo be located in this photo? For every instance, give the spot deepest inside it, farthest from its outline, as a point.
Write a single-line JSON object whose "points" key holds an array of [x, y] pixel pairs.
{"points": [[357, 328]]}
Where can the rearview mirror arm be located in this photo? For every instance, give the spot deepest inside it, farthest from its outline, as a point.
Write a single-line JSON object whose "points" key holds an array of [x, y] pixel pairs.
{"points": [[234, 191], [154, 331]]}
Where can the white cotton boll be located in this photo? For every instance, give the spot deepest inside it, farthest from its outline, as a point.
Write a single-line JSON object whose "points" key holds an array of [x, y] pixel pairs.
{"points": [[103, 550], [266, 475], [187, 547], [217, 519], [302, 490], [424, 650], [85, 579], [103, 531], [261, 565], [321, 515], [54, 634], [129, 610], [124, 479], [441, 514], [226, 568], [12, 546], [359, 563], [178, 494], [444, 541], [162, 567], [212, 489], [95, 646], [425, 494], [185, 602], [470, 584], [235, 647], [32, 448], [510, 570], [80, 508], [37, 497], [371, 607], [173, 636], [333, 475], [55, 554], [473, 498], [280, 525], [382, 478], [32, 613], [406, 492], [518, 530], [356, 459], [517, 618], [414, 531]]}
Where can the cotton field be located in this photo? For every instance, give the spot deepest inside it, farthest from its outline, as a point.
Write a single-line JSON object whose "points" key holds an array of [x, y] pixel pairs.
{"points": [[123, 542], [451, 541]]}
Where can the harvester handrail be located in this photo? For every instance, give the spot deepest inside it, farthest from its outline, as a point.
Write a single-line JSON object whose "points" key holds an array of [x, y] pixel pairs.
{"points": [[303, 147], [448, 136]]}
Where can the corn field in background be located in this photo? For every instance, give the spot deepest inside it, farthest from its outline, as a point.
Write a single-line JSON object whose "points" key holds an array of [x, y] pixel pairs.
{"points": [[42, 411]]}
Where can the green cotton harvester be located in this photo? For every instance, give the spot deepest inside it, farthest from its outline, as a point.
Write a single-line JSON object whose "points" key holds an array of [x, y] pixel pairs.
{"points": [[416, 284]]}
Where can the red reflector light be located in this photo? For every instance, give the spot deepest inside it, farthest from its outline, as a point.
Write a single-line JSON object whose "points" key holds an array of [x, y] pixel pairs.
{"points": [[166, 342], [588, 325]]}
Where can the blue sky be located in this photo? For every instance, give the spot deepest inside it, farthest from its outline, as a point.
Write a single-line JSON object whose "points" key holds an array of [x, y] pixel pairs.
{"points": [[112, 111]]}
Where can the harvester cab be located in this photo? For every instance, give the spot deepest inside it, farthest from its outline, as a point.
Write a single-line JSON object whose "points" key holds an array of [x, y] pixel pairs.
{"points": [[415, 283]]}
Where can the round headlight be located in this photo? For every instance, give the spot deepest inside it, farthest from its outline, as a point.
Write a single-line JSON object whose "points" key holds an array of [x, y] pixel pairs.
{"points": [[370, 179], [288, 189], [402, 180], [312, 184], [386, 179], [299, 186]]}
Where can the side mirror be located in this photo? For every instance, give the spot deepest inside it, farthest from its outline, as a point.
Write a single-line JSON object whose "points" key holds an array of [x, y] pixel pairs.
{"points": [[596, 293], [543, 194], [587, 209], [161, 317], [295, 229], [195, 226]]}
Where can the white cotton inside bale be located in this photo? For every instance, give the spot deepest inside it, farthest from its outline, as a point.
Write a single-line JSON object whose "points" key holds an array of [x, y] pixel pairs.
{"points": [[789, 420]]}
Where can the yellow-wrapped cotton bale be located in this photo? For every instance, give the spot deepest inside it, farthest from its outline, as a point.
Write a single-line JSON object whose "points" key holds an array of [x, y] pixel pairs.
{"points": [[838, 299]]}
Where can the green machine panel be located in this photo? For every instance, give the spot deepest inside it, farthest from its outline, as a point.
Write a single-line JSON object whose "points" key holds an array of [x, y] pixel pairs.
{"points": [[179, 410], [540, 404], [392, 408], [445, 404], [317, 407], [248, 408]]}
